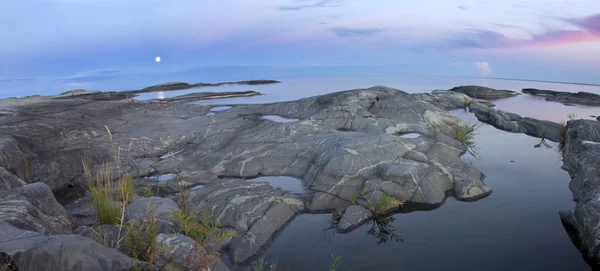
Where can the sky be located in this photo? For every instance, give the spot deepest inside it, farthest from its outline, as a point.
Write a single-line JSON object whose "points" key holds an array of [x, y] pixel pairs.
{"points": [[74, 41]]}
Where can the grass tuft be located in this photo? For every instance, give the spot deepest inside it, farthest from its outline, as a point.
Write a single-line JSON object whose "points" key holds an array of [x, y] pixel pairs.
{"points": [[382, 204], [140, 239], [466, 135], [102, 191]]}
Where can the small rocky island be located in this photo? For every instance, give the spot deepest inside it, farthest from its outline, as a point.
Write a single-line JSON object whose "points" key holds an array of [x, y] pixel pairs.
{"points": [[98, 181]]}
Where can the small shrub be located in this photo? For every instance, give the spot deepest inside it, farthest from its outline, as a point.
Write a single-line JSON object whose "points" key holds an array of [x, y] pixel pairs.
{"points": [[140, 239], [466, 135], [382, 204], [193, 228]]}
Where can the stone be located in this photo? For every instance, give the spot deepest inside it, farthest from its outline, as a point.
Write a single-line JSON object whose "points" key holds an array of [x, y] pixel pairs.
{"points": [[33, 207], [567, 98], [9, 180], [484, 92], [141, 208], [354, 216], [581, 155], [34, 251], [183, 251]]}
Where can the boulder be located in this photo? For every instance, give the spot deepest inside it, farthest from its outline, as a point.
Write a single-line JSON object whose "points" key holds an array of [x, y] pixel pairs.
{"points": [[567, 98], [34, 251], [33, 207], [141, 208], [581, 156], [485, 93]]}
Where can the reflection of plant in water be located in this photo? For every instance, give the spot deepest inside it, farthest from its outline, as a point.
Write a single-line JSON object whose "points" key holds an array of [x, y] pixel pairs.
{"points": [[383, 230], [543, 132], [542, 143]]}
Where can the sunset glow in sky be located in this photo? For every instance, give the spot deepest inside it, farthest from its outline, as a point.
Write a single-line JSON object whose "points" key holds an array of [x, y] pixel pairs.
{"points": [[527, 39]]}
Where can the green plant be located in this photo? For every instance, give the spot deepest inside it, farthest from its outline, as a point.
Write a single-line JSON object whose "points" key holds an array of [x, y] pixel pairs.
{"points": [[382, 204], [148, 191], [140, 239], [466, 103], [466, 135], [126, 188], [193, 228], [222, 235], [102, 191], [335, 261], [361, 194], [100, 237], [261, 264]]}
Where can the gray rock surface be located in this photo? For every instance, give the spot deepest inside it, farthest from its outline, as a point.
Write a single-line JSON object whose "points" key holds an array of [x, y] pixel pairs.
{"points": [[183, 251], [581, 156], [33, 251], [9, 180], [141, 208], [33, 207], [353, 216], [485, 93], [341, 144], [567, 98]]}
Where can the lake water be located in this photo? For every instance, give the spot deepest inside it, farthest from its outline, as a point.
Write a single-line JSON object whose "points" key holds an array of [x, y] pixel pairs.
{"points": [[516, 228]]}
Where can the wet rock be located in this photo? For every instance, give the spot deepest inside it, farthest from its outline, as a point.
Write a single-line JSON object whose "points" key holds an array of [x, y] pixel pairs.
{"points": [[567, 98], [255, 210], [484, 92], [581, 155], [33, 207], [141, 208], [514, 123], [353, 216]]}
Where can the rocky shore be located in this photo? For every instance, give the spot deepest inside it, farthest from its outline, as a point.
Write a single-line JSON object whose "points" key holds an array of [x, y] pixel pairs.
{"points": [[349, 149]]}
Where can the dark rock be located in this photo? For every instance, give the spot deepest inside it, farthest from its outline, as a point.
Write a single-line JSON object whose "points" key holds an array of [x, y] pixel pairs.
{"points": [[34, 251], [181, 85], [183, 251], [353, 216], [581, 155], [567, 98], [514, 123], [141, 208], [33, 207], [9, 180], [485, 93]]}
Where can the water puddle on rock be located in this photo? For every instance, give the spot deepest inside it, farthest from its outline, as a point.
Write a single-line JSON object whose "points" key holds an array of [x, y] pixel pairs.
{"points": [[410, 135], [197, 187], [220, 108], [284, 183], [170, 154], [276, 118], [162, 177]]}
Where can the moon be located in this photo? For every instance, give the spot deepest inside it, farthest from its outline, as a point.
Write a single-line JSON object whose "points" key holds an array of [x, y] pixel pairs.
{"points": [[157, 59]]}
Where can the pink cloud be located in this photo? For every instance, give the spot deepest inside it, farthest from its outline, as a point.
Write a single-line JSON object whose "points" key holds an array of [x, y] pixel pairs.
{"points": [[484, 67]]}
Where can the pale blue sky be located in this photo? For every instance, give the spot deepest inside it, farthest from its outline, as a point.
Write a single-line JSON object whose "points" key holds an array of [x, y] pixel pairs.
{"points": [[79, 40]]}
